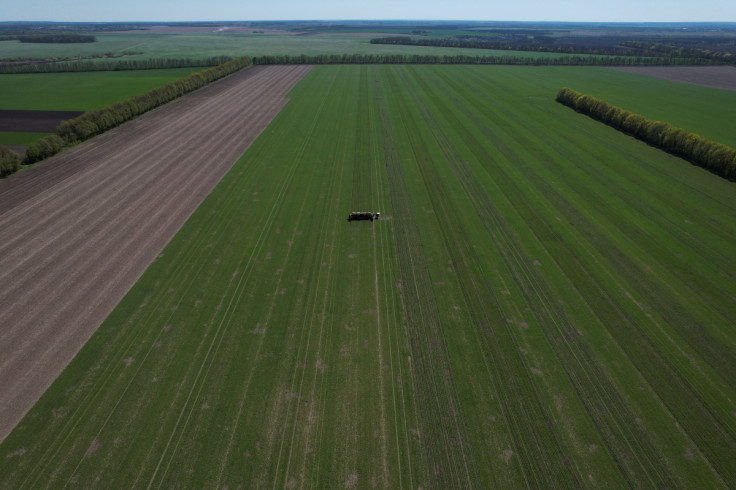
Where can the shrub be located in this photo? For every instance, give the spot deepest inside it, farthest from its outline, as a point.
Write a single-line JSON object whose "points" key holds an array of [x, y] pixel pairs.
{"points": [[9, 162], [45, 147]]}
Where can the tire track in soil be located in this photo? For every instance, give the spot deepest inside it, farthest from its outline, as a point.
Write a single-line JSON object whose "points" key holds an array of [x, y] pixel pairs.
{"points": [[124, 350], [331, 220], [223, 325], [375, 199], [445, 441], [386, 274], [354, 113], [325, 323], [709, 431], [88, 289], [200, 379], [246, 385], [286, 414], [540, 451], [625, 440]]}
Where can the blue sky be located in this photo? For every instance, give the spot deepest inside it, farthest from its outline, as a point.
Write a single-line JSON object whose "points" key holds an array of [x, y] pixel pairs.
{"points": [[531, 10]]}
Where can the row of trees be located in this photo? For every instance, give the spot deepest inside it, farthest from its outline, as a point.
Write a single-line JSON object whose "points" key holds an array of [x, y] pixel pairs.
{"points": [[92, 123], [56, 38], [116, 65], [666, 53], [337, 59], [716, 157], [670, 50], [9, 161]]}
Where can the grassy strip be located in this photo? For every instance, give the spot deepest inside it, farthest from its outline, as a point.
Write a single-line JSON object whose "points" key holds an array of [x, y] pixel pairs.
{"points": [[21, 138], [716, 157], [96, 122]]}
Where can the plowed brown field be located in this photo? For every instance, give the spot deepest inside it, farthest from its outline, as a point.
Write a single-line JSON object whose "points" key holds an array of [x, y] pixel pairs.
{"points": [[34, 121], [723, 77], [78, 230]]}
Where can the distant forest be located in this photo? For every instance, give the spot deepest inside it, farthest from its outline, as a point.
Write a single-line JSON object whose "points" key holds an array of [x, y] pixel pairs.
{"points": [[545, 44], [60, 38]]}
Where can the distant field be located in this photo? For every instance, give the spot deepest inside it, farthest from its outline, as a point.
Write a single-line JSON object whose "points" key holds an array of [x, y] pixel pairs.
{"points": [[80, 91], [203, 44], [722, 77], [546, 302]]}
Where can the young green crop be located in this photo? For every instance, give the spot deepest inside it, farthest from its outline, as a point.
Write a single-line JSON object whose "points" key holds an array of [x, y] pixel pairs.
{"points": [[543, 302], [80, 91]]}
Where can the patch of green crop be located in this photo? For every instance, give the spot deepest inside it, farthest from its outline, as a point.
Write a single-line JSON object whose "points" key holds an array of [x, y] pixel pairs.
{"points": [[545, 302], [80, 91], [20, 138]]}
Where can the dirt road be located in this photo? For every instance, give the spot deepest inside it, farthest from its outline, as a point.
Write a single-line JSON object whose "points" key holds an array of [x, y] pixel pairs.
{"points": [[78, 230]]}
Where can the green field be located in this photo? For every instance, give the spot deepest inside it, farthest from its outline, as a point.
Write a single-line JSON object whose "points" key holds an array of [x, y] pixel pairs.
{"points": [[545, 302], [19, 137], [80, 91], [204, 45], [706, 111]]}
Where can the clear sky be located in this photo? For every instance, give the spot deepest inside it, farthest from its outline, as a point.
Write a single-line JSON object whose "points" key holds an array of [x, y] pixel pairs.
{"points": [[529, 10]]}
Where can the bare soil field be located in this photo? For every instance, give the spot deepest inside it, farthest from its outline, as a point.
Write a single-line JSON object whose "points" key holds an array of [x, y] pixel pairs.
{"points": [[723, 77], [33, 121], [79, 229]]}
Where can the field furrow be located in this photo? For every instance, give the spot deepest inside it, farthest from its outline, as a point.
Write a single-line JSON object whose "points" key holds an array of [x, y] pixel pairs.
{"points": [[444, 431]]}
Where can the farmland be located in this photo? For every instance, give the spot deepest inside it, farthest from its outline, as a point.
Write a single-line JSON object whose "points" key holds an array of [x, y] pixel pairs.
{"points": [[546, 303], [80, 91], [79, 229], [199, 45], [74, 92]]}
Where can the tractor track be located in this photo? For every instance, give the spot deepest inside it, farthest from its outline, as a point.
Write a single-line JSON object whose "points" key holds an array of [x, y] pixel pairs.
{"points": [[444, 434]]}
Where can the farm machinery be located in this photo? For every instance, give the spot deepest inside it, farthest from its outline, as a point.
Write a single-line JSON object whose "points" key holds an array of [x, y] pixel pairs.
{"points": [[363, 215]]}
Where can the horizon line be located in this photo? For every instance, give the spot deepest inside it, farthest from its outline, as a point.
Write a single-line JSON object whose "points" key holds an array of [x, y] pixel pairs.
{"points": [[221, 21]]}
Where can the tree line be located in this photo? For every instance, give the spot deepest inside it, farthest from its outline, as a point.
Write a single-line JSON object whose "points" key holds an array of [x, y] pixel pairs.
{"points": [[56, 38], [9, 161], [428, 59], [92, 123], [667, 54], [716, 157], [670, 50], [116, 65]]}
